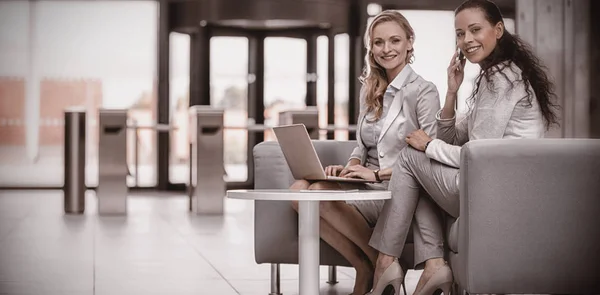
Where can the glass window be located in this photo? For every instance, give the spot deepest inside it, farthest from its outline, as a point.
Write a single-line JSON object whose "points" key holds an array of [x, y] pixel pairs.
{"points": [[342, 47], [434, 46], [82, 53], [322, 80], [179, 101], [229, 90], [285, 78]]}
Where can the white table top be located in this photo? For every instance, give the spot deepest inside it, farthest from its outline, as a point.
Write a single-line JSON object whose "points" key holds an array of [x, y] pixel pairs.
{"points": [[308, 195]]}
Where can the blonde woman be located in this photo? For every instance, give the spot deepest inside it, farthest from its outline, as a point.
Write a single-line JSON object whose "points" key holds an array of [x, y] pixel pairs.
{"points": [[393, 101]]}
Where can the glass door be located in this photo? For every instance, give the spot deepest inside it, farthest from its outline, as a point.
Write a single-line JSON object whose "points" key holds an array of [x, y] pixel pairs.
{"points": [[229, 90], [285, 78], [179, 98]]}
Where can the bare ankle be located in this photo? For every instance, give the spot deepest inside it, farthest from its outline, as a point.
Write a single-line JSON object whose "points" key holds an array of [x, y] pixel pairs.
{"points": [[434, 263], [383, 260]]}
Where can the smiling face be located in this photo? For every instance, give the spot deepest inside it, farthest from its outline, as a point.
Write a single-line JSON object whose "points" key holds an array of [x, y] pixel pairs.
{"points": [[390, 46], [475, 35]]}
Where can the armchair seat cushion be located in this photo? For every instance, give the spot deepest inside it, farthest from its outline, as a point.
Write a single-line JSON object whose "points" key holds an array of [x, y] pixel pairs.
{"points": [[276, 222]]}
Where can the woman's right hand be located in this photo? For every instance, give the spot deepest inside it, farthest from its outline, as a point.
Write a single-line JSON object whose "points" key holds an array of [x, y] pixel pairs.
{"points": [[456, 73], [333, 170]]}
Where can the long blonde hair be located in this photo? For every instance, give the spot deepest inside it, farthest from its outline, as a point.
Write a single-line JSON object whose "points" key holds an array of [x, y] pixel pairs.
{"points": [[374, 77]]}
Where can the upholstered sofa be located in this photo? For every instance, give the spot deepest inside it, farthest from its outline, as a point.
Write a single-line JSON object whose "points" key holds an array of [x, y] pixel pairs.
{"points": [[276, 222], [529, 217]]}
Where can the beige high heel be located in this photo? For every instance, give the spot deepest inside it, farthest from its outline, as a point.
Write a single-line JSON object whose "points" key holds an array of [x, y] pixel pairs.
{"points": [[441, 280], [393, 275]]}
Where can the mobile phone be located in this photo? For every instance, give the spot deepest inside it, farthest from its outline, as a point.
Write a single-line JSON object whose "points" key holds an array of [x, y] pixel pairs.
{"points": [[461, 56]]}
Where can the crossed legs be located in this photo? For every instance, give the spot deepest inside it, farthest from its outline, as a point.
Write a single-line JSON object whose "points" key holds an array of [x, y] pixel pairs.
{"points": [[344, 229], [412, 173]]}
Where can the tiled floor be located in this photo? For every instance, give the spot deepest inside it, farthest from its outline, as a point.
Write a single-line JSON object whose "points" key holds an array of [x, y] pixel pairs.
{"points": [[158, 248]]}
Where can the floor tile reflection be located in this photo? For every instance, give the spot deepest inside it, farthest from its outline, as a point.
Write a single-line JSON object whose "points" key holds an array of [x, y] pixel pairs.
{"points": [[158, 248]]}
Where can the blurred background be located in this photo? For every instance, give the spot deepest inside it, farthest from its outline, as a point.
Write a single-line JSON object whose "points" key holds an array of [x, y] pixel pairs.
{"points": [[252, 57]]}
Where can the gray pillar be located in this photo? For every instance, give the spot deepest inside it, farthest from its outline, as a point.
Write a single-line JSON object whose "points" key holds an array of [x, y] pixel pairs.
{"points": [[162, 110], [357, 24], [311, 70], [331, 83], [74, 160], [200, 66], [256, 93]]}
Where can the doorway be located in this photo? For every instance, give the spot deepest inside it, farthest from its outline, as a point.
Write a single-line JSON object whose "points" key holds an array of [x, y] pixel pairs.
{"points": [[253, 74]]}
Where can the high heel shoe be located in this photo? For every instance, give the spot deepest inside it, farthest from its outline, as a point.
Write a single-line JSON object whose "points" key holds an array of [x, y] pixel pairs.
{"points": [[393, 275], [441, 280]]}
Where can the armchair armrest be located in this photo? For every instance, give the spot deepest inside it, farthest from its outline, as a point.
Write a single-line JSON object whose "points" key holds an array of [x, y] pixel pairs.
{"points": [[276, 222], [529, 216]]}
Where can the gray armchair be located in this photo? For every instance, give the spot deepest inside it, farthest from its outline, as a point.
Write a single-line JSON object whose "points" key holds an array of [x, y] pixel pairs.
{"points": [[276, 223], [529, 217]]}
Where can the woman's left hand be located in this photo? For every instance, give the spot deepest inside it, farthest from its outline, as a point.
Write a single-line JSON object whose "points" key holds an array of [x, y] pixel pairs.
{"points": [[359, 171], [418, 139]]}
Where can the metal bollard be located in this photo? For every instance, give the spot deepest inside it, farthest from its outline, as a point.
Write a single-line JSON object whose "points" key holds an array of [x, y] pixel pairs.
{"points": [[112, 162], [74, 149], [308, 116], [207, 186]]}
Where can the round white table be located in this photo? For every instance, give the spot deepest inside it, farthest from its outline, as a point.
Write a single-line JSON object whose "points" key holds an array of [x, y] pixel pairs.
{"points": [[308, 222]]}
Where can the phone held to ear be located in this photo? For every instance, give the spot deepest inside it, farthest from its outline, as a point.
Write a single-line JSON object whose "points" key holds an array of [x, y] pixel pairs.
{"points": [[461, 56]]}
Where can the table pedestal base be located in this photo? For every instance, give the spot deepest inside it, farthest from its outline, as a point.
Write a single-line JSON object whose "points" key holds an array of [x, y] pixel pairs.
{"points": [[308, 235]]}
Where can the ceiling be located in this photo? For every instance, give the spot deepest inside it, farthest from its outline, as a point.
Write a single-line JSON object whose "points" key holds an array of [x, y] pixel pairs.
{"points": [[187, 15]]}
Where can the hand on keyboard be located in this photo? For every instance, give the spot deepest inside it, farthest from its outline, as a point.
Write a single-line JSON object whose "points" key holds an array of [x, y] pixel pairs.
{"points": [[333, 170], [358, 171]]}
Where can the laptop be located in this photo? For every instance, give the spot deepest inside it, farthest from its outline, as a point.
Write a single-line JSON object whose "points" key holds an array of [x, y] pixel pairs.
{"points": [[301, 156]]}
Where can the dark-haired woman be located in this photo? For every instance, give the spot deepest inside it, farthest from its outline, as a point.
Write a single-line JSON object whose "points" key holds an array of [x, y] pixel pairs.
{"points": [[513, 98]]}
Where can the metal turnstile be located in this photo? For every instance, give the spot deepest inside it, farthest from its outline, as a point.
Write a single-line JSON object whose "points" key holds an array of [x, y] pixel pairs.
{"points": [[309, 117], [112, 162], [206, 184], [74, 160]]}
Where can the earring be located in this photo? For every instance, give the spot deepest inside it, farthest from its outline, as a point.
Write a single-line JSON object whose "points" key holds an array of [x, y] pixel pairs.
{"points": [[411, 59]]}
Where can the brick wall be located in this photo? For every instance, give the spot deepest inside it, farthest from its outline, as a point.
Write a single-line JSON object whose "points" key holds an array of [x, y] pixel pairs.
{"points": [[55, 96], [58, 94], [12, 111]]}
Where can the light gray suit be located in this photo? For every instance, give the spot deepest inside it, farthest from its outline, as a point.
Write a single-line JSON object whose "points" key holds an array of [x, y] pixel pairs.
{"points": [[500, 111], [417, 102], [414, 107]]}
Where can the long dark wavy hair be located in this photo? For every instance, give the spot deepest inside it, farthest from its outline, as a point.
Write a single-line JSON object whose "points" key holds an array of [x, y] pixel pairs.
{"points": [[512, 48]]}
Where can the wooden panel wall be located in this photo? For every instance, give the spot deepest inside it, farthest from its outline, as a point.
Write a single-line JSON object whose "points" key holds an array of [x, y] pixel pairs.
{"points": [[559, 31], [594, 45]]}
